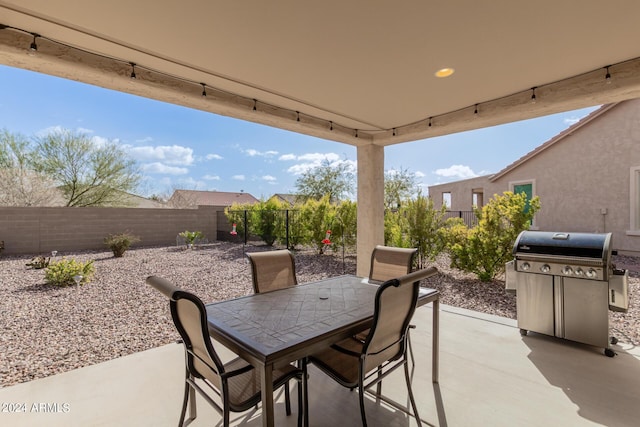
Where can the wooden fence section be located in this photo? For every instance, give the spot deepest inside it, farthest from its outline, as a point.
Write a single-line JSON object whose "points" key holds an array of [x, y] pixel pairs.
{"points": [[35, 230]]}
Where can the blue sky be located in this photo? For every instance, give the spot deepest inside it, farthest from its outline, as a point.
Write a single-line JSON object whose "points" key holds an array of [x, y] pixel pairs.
{"points": [[177, 147]]}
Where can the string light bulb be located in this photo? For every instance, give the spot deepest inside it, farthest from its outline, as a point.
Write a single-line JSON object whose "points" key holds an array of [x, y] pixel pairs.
{"points": [[430, 118], [133, 70], [607, 76], [297, 116], [34, 46], [475, 111], [533, 95], [394, 131], [330, 125], [255, 104], [356, 133], [204, 90]]}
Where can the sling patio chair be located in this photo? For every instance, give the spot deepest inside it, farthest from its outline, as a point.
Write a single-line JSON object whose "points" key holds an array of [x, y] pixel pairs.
{"points": [[272, 270], [353, 363], [387, 263], [236, 383]]}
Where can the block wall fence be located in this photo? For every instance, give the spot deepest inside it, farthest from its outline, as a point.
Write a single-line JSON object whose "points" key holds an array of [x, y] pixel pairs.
{"points": [[37, 230]]}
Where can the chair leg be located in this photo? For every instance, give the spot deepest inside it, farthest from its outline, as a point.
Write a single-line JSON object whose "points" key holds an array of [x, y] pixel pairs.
{"points": [[305, 392], [361, 395], [379, 385], [410, 392], [287, 399], [413, 360], [301, 408], [187, 387]]}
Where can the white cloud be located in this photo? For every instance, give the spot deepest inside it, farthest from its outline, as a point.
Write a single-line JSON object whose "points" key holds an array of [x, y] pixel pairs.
{"points": [[238, 177], [269, 178], [144, 140], [168, 154], [211, 177], [214, 156], [84, 130], [456, 171], [420, 174], [158, 167], [253, 153], [313, 160]]}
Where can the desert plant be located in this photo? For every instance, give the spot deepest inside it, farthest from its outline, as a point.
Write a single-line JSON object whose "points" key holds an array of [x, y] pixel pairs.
{"points": [[423, 221], [265, 220], [119, 243], [64, 272], [316, 217], [485, 248], [191, 237], [38, 262]]}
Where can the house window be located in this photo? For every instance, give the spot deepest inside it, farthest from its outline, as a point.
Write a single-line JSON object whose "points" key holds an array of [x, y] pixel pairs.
{"points": [[446, 200], [635, 199]]}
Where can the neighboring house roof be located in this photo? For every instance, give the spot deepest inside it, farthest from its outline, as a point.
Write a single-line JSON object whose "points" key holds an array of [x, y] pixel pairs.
{"points": [[213, 198], [289, 198], [559, 137], [482, 179], [135, 201]]}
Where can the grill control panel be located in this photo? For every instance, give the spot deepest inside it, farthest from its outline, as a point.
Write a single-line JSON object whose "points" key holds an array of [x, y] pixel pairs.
{"points": [[557, 269]]}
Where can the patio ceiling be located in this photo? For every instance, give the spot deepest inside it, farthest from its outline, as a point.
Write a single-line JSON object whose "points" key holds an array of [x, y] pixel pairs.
{"points": [[356, 72]]}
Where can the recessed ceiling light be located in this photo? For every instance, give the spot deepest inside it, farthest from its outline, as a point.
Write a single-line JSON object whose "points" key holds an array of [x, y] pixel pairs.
{"points": [[444, 72]]}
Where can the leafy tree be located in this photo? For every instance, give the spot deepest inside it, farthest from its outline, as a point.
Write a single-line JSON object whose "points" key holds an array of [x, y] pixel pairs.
{"points": [[88, 174], [20, 185], [399, 185], [335, 179], [485, 248]]}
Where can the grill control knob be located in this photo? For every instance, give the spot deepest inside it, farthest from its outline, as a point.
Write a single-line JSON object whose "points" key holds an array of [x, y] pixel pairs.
{"points": [[525, 266], [579, 271], [567, 270], [591, 273], [545, 268]]}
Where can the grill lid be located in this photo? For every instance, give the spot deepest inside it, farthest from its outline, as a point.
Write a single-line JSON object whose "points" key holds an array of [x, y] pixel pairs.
{"points": [[577, 245]]}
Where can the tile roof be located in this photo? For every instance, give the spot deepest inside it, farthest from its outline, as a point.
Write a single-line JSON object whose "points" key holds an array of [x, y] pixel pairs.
{"points": [[214, 198]]}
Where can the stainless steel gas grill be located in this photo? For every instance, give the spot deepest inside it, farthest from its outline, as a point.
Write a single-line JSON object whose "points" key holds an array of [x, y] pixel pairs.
{"points": [[565, 284]]}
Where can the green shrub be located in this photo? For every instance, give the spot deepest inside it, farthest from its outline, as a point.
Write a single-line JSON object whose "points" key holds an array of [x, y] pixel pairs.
{"points": [[61, 273], [265, 220], [191, 237], [119, 243], [485, 248], [316, 217], [422, 224]]}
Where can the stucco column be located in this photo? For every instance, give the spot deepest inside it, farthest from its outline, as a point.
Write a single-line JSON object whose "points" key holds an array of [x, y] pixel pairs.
{"points": [[370, 204]]}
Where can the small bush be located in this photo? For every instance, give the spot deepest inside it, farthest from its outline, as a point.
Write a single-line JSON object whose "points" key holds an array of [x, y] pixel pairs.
{"points": [[61, 273], [119, 243], [485, 248], [191, 237]]}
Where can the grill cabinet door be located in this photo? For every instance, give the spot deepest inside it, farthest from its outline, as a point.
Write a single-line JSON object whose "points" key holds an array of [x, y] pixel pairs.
{"points": [[586, 315], [534, 303]]}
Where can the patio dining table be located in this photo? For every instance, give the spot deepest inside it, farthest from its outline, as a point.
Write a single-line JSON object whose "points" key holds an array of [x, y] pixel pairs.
{"points": [[275, 328]]}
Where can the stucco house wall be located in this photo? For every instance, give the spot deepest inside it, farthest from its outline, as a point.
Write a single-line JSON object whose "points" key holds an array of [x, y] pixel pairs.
{"points": [[461, 193], [583, 180], [587, 177]]}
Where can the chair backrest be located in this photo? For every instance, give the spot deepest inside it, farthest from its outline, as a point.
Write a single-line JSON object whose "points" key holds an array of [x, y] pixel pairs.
{"points": [[190, 318], [395, 304], [272, 270], [388, 262]]}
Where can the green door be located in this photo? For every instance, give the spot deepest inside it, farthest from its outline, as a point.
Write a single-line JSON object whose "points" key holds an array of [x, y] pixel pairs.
{"points": [[526, 189]]}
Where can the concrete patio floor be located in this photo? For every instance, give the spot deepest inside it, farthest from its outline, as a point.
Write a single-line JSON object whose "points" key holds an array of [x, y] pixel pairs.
{"points": [[489, 376]]}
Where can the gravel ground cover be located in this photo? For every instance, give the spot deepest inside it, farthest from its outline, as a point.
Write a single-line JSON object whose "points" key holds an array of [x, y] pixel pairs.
{"points": [[47, 330]]}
